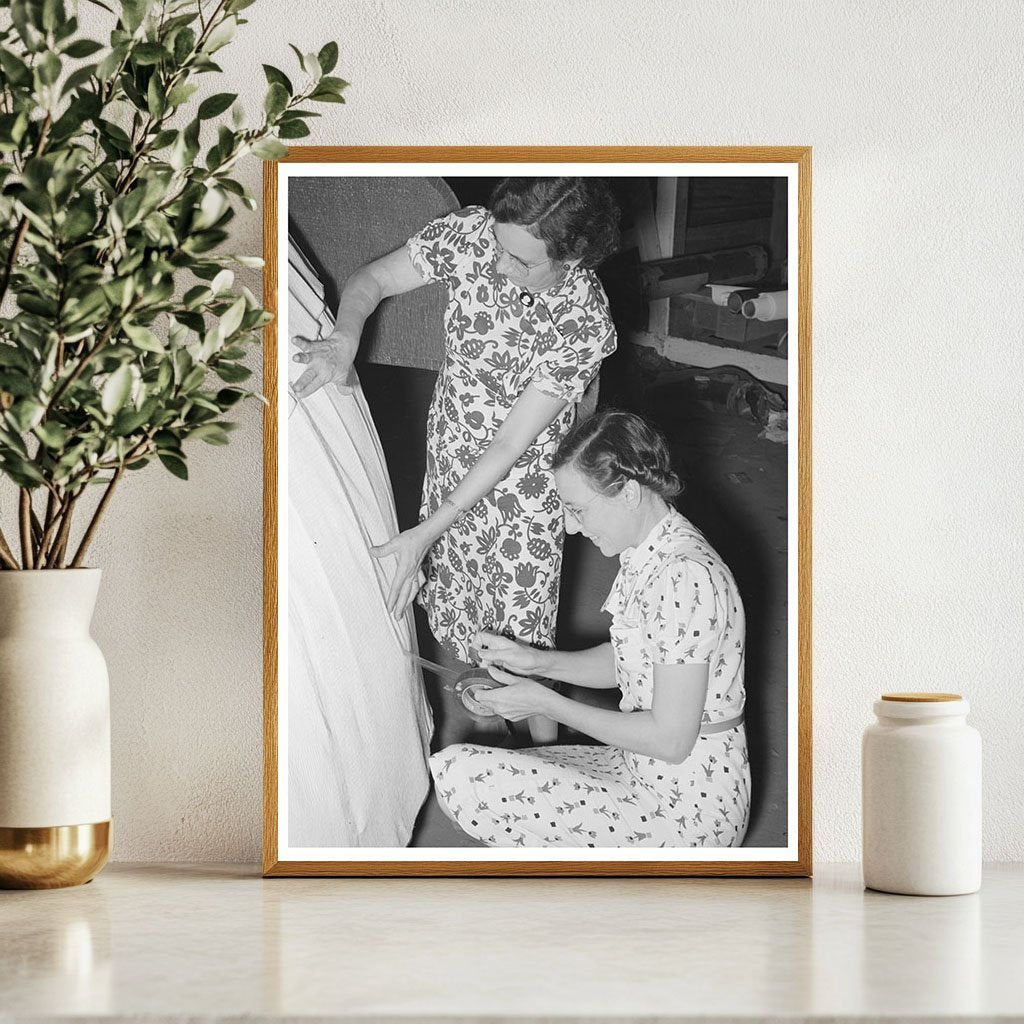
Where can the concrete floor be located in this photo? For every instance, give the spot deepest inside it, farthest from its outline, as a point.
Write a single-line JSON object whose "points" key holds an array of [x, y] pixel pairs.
{"points": [[735, 493]]}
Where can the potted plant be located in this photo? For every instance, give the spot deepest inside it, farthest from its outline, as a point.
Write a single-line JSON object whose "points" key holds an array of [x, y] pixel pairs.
{"points": [[122, 339]]}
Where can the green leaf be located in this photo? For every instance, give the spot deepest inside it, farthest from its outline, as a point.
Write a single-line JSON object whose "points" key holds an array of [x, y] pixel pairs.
{"points": [[232, 319], [334, 84], [128, 421], [53, 14], [129, 207], [53, 435], [255, 262], [211, 433], [328, 57], [184, 44], [164, 376], [120, 291], [26, 21], [26, 414], [175, 465], [193, 379], [221, 35], [269, 149], [109, 65], [222, 282], [145, 54], [11, 443], [292, 130], [227, 397], [323, 96], [195, 296], [193, 321], [274, 76], [21, 471], [116, 390], [65, 30], [167, 441], [143, 338], [133, 13], [116, 134], [78, 78], [215, 105], [232, 373], [163, 139], [181, 94], [38, 305], [276, 99], [83, 48], [156, 100], [14, 68], [49, 68], [11, 356]]}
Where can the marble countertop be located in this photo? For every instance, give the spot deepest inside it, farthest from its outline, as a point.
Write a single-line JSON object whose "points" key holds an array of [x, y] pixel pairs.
{"points": [[175, 942]]}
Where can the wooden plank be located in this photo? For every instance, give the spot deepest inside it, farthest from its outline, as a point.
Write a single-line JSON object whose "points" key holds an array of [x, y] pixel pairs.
{"points": [[765, 367], [665, 214], [682, 216]]}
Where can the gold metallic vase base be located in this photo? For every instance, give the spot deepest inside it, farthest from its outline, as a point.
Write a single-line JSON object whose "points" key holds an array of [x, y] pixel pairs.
{"points": [[54, 857]]}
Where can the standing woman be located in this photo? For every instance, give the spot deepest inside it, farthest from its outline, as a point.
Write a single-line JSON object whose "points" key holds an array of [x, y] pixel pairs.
{"points": [[673, 768], [526, 325]]}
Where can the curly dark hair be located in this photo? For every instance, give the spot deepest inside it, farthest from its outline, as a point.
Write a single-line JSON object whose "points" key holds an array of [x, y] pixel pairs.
{"points": [[614, 446], [577, 218]]}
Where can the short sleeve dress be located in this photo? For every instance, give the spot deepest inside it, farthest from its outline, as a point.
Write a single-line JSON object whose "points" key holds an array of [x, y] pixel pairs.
{"points": [[498, 567], [673, 602]]}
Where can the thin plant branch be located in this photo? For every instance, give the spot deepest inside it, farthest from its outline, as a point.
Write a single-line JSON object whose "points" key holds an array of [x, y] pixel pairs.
{"points": [[6, 554], [25, 522], [61, 543], [90, 531]]}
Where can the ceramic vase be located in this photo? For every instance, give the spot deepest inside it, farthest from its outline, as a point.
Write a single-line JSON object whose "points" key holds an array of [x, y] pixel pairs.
{"points": [[54, 731]]}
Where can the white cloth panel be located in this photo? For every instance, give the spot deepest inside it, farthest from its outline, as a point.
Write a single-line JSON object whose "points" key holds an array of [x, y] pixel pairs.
{"points": [[358, 721]]}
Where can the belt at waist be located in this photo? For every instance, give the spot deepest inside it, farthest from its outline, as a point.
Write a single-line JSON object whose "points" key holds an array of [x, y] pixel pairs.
{"points": [[710, 728]]}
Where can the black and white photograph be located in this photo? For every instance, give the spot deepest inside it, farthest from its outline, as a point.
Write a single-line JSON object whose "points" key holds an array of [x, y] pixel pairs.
{"points": [[537, 580]]}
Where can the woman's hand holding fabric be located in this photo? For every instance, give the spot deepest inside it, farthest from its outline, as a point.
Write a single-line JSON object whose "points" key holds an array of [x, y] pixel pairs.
{"points": [[519, 698], [499, 651], [409, 548], [327, 360]]}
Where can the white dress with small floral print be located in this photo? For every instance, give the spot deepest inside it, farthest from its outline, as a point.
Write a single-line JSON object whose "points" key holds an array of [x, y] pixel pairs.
{"points": [[673, 602], [498, 567]]}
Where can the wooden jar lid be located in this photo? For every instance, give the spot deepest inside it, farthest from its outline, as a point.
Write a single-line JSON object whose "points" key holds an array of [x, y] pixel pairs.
{"points": [[921, 698]]}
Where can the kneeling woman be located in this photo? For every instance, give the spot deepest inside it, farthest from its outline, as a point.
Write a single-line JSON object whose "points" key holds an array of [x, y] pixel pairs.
{"points": [[674, 769]]}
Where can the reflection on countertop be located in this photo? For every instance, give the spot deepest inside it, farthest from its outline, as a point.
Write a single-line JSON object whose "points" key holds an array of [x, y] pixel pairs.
{"points": [[180, 940]]}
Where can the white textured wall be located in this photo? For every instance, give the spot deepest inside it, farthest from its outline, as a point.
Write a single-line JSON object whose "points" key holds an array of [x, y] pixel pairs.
{"points": [[914, 112]]}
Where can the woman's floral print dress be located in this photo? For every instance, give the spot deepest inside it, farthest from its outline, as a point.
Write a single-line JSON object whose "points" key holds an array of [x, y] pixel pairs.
{"points": [[498, 567], [674, 602]]}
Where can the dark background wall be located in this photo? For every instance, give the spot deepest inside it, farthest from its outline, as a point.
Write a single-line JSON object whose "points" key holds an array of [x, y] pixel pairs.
{"points": [[736, 489]]}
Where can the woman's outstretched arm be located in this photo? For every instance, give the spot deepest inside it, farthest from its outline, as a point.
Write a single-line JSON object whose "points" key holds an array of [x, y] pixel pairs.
{"points": [[531, 414], [593, 668], [330, 359], [667, 732]]}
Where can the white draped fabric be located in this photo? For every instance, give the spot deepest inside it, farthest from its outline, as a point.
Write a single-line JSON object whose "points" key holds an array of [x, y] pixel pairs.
{"points": [[358, 721]]}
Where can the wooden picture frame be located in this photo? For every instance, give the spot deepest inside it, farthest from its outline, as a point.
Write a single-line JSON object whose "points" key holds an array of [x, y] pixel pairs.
{"points": [[651, 235]]}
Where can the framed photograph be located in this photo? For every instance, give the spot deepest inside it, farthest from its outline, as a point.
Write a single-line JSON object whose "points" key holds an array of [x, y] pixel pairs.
{"points": [[537, 527]]}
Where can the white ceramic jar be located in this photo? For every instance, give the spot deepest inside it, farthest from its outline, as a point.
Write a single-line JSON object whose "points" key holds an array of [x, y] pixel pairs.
{"points": [[921, 779]]}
